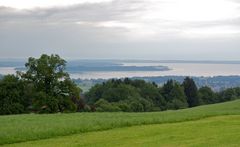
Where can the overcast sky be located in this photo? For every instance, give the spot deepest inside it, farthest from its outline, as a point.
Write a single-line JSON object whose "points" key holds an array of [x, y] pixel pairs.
{"points": [[121, 29]]}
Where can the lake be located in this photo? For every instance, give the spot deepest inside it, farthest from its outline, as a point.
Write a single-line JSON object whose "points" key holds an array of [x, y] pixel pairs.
{"points": [[176, 69]]}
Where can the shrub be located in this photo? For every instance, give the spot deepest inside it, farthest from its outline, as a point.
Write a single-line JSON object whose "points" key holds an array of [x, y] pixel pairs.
{"points": [[103, 105]]}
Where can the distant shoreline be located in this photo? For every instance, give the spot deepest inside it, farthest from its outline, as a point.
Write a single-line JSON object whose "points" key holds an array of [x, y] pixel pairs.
{"points": [[107, 69], [5, 62]]}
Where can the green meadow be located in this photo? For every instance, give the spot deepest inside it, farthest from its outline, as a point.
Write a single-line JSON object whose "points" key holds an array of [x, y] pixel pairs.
{"points": [[213, 131], [210, 125]]}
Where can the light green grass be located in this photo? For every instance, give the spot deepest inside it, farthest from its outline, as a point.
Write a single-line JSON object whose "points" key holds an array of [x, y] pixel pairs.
{"points": [[214, 131], [21, 128]]}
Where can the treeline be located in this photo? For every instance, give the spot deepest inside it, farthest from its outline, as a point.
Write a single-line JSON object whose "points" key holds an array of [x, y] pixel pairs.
{"points": [[140, 96], [45, 87]]}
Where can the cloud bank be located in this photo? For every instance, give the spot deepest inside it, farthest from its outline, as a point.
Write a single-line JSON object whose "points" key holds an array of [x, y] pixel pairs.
{"points": [[146, 29]]}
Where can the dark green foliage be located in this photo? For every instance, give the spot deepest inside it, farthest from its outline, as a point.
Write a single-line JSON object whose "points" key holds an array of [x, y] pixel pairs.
{"points": [[112, 91], [52, 85], [191, 92], [140, 96], [207, 96], [174, 95], [120, 92], [136, 106], [124, 106], [228, 94], [45, 72], [128, 95], [12, 100], [44, 88], [237, 91], [43, 103], [103, 105]]}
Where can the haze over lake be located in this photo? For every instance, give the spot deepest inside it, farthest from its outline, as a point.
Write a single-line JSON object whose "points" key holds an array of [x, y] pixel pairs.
{"points": [[105, 69]]}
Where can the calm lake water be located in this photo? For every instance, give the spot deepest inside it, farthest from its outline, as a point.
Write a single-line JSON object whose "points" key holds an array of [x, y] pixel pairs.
{"points": [[177, 69]]}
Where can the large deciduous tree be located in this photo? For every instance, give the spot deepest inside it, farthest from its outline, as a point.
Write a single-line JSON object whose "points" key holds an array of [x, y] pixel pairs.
{"points": [[54, 90]]}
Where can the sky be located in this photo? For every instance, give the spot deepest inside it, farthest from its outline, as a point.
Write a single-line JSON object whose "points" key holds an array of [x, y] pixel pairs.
{"points": [[121, 29]]}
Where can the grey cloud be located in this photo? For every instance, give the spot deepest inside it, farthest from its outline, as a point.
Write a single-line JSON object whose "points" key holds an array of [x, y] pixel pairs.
{"points": [[227, 22], [72, 41], [106, 11], [25, 33], [117, 10]]}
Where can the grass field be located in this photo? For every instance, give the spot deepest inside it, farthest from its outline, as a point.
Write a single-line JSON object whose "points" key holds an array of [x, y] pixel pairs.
{"points": [[213, 131], [217, 125]]}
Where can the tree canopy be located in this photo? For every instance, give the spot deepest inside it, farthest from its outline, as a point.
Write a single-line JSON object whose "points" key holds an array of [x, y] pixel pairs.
{"points": [[44, 87], [191, 91]]}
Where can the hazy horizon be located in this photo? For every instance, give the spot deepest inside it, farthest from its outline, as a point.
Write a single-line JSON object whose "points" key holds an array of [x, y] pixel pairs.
{"points": [[120, 59]]}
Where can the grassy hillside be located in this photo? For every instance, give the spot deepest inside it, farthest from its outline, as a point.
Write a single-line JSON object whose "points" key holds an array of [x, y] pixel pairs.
{"points": [[213, 131], [21, 128]]}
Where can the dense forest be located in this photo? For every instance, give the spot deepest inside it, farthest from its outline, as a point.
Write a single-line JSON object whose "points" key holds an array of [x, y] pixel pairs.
{"points": [[46, 87], [140, 96]]}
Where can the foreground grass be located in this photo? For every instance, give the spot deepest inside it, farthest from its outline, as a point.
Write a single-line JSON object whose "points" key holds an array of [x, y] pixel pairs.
{"points": [[214, 131], [21, 128]]}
